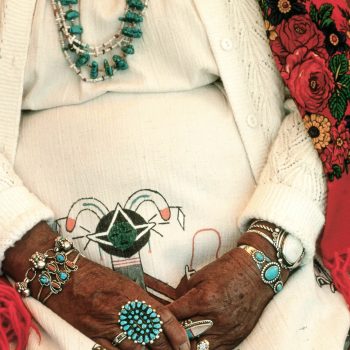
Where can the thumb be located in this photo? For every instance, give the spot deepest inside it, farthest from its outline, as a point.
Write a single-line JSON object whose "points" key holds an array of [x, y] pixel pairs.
{"points": [[186, 306]]}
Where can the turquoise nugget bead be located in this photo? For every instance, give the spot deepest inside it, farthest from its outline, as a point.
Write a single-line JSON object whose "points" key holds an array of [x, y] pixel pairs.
{"points": [[68, 2], [82, 60], [94, 70], [76, 29], [71, 14], [131, 17], [120, 63], [137, 4], [108, 68], [128, 49], [132, 32]]}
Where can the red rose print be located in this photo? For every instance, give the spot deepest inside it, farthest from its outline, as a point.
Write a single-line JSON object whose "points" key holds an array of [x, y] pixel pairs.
{"points": [[299, 31], [338, 151], [309, 79]]}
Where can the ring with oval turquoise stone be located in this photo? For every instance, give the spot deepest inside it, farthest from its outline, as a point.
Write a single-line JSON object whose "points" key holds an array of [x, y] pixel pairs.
{"points": [[270, 271], [139, 322]]}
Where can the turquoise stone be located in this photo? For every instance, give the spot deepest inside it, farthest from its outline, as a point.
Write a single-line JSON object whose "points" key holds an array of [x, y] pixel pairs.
{"points": [[132, 32], [120, 63], [152, 336], [68, 2], [108, 69], [128, 49], [153, 315], [76, 29], [60, 258], [137, 4], [259, 256], [63, 276], [132, 304], [140, 339], [131, 17], [279, 287], [71, 14], [271, 273], [82, 60], [130, 332], [122, 317], [94, 70], [147, 340], [44, 280]]}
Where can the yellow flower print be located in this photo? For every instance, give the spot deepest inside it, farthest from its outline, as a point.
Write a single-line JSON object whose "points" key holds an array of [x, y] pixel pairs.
{"points": [[318, 127]]}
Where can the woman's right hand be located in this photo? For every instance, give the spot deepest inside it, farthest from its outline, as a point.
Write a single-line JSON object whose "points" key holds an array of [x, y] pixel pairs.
{"points": [[91, 299]]}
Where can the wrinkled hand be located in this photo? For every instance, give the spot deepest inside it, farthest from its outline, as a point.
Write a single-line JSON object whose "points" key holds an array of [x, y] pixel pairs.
{"points": [[91, 299], [229, 292], [94, 296]]}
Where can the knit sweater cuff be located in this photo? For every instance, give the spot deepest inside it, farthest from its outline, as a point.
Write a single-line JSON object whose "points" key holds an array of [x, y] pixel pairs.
{"points": [[289, 209], [20, 211]]}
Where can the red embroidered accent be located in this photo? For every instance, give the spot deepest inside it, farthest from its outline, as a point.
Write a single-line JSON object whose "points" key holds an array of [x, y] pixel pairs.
{"points": [[340, 270], [15, 319], [310, 42]]}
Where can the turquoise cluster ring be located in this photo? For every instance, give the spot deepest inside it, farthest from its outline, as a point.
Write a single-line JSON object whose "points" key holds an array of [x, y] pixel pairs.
{"points": [[270, 271], [139, 323]]}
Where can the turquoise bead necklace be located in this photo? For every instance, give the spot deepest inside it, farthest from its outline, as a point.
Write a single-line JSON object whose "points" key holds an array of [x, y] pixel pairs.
{"points": [[81, 56]]}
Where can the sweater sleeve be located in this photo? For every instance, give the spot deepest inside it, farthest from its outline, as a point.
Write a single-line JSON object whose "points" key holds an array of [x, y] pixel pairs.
{"points": [[291, 190], [20, 209]]}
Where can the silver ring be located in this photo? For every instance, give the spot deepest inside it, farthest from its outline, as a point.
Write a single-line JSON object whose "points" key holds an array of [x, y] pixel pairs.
{"points": [[139, 322], [203, 345]]}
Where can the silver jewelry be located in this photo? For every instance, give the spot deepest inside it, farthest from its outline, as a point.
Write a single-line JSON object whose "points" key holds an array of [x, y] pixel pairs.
{"points": [[195, 329], [270, 271], [283, 242], [139, 323], [203, 345], [52, 269], [263, 235]]}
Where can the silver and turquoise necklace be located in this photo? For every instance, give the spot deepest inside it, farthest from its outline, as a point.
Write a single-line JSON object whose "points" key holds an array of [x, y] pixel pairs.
{"points": [[112, 54]]}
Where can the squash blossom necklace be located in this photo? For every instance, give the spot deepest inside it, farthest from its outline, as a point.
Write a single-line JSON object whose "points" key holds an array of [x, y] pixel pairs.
{"points": [[81, 56]]}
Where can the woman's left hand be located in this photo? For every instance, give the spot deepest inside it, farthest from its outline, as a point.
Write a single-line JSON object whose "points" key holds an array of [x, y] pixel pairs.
{"points": [[229, 292]]}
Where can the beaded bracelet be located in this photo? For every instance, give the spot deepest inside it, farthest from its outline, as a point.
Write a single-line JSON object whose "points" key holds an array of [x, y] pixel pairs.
{"points": [[52, 270], [270, 271]]}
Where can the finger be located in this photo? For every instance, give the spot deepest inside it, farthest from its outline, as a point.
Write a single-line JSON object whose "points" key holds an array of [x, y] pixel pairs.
{"points": [[174, 335], [128, 344], [216, 342], [105, 344], [186, 306]]}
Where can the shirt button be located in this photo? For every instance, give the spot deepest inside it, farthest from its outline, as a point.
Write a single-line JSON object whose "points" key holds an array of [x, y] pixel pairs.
{"points": [[252, 121], [226, 44]]}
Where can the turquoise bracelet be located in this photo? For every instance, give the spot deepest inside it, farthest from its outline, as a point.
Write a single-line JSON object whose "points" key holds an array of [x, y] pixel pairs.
{"points": [[270, 271]]}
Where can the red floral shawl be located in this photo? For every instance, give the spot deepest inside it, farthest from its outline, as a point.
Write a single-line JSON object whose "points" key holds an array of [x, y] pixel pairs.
{"points": [[310, 41]]}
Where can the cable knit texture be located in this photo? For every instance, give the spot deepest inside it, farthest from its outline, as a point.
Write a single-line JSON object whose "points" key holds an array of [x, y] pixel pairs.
{"points": [[20, 209]]}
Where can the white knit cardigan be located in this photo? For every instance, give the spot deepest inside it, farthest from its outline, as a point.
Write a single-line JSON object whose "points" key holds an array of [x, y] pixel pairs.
{"points": [[290, 188]]}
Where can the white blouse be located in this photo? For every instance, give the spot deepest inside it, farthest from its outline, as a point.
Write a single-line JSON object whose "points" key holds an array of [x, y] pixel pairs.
{"points": [[156, 144]]}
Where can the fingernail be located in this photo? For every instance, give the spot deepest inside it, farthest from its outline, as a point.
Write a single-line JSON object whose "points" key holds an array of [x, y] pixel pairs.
{"points": [[185, 346]]}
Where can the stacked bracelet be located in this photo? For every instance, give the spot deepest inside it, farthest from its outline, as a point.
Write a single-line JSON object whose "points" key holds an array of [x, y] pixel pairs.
{"points": [[278, 240], [52, 269], [270, 271]]}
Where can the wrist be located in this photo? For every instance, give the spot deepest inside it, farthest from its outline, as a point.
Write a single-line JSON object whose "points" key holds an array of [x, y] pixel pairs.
{"points": [[259, 243], [40, 238]]}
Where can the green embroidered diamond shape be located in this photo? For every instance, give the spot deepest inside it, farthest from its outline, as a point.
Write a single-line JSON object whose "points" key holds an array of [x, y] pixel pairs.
{"points": [[122, 235]]}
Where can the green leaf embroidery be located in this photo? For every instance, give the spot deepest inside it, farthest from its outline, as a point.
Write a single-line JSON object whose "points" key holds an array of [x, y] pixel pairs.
{"points": [[313, 13], [339, 65], [326, 23], [337, 171], [344, 84], [337, 104], [325, 11]]}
